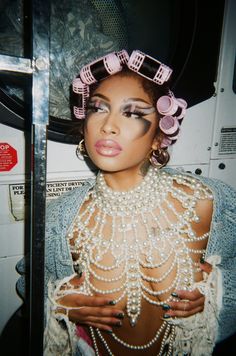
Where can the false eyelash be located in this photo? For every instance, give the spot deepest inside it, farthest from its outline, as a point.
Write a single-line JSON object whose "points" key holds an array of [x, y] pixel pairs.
{"points": [[139, 114]]}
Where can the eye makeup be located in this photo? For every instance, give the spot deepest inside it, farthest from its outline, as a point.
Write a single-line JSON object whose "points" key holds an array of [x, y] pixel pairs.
{"points": [[97, 105], [136, 110]]}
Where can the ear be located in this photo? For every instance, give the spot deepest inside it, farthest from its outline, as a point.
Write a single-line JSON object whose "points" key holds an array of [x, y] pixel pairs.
{"points": [[156, 143]]}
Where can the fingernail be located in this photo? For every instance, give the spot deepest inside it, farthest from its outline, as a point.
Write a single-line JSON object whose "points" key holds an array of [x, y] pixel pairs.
{"points": [[165, 307], [174, 294], [166, 316], [120, 315], [118, 323], [112, 302], [202, 261], [108, 331]]}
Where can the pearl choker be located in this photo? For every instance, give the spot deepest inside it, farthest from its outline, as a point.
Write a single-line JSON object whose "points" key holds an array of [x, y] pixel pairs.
{"points": [[141, 231]]}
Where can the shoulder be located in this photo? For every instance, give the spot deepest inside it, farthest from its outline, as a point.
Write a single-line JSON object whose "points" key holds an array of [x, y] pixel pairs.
{"points": [[224, 195]]}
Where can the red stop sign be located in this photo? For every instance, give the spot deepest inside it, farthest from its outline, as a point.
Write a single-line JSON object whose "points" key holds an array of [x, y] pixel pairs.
{"points": [[8, 157]]}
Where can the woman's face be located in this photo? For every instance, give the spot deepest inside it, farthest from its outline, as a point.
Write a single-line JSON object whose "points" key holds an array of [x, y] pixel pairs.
{"points": [[121, 125]]}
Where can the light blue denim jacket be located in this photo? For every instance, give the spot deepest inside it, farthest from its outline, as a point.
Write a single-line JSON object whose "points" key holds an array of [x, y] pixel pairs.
{"points": [[222, 242]]}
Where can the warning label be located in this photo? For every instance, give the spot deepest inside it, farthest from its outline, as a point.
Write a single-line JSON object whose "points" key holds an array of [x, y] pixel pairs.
{"points": [[8, 157], [19, 194], [227, 140]]}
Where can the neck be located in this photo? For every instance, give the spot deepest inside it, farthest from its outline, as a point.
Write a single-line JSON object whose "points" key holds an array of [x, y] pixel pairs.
{"points": [[125, 180]]}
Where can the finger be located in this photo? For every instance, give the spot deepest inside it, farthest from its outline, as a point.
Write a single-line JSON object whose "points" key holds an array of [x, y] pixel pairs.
{"points": [[183, 313], [101, 312], [206, 267], [93, 301], [105, 315], [188, 295], [100, 326], [103, 321], [81, 300], [187, 305]]}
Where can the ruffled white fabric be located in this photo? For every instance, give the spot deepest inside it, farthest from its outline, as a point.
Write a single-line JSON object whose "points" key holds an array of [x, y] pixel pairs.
{"points": [[196, 335], [60, 336]]}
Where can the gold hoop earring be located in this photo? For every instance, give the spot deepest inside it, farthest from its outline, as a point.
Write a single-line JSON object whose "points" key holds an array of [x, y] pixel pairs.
{"points": [[81, 150], [159, 158]]}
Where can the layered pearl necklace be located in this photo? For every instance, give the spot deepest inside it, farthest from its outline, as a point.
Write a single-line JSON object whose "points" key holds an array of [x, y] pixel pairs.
{"points": [[140, 230]]}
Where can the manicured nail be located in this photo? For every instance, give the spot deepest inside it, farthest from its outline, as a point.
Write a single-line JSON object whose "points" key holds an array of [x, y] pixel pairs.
{"points": [[120, 315], [202, 261], [174, 294], [118, 323], [108, 331], [165, 307], [112, 302], [166, 316]]}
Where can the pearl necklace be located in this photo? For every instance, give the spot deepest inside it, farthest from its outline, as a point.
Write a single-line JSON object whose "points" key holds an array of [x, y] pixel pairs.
{"points": [[140, 230], [168, 334]]}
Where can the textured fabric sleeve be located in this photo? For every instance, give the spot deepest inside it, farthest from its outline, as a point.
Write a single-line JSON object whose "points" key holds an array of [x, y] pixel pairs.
{"points": [[222, 242]]}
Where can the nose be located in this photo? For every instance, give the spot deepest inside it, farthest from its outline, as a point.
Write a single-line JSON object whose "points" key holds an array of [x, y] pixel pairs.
{"points": [[110, 125]]}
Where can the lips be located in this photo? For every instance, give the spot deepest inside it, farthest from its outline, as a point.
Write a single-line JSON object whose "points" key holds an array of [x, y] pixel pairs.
{"points": [[108, 148]]}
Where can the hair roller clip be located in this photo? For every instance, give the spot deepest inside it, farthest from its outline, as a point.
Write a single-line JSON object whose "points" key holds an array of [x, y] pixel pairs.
{"points": [[123, 56], [166, 141], [149, 67], [169, 125], [82, 92], [101, 68], [169, 105]]}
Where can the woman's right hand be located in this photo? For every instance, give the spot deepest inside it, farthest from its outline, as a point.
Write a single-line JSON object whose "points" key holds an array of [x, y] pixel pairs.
{"points": [[95, 311]]}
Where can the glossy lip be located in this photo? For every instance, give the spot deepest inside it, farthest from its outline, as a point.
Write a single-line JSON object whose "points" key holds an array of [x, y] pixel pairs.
{"points": [[109, 148]]}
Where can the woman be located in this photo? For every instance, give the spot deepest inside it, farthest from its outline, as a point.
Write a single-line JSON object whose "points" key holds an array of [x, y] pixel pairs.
{"points": [[123, 271]]}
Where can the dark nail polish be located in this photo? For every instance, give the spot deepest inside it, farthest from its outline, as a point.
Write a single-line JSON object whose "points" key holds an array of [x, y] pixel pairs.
{"points": [[118, 323], [174, 294], [202, 261], [108, 331], [166, 316], [120, 315], [112, 302], [165, 307]]}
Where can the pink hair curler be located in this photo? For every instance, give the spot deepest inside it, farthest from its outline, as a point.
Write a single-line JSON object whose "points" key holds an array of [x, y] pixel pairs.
{"points": [[169, 105], [123, 56], [169, 125], [82, 91], [149, 67], [166, 142], [101, 68]]}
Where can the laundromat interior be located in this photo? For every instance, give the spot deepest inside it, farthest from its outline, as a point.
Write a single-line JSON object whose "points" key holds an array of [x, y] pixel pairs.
{"points": [[42, 48]]}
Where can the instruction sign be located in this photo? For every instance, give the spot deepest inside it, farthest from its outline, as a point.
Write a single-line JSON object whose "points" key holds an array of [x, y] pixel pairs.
{"points": [[8, 157], [19, 194], [227, 140]]}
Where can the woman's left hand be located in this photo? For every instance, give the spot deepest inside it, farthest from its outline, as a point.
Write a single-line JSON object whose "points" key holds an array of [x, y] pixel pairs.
{"points": [[189, 303]]}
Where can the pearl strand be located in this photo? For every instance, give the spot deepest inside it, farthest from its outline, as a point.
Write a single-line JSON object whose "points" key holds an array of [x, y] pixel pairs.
{"points": [[170, 331], [150, 253]]}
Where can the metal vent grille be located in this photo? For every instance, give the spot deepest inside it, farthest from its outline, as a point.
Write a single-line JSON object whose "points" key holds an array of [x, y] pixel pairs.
{"points": [[113, 20]]}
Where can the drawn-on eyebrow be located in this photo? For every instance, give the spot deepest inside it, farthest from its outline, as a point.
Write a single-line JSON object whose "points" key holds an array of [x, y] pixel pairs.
{"points": [[137, 99]]}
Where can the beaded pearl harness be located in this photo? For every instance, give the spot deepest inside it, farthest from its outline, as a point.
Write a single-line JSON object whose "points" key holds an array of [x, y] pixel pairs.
{"points": [[141, 230]]}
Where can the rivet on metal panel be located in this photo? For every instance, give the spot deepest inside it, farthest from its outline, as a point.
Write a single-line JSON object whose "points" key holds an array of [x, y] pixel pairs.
{"points": [[41, 64], [208, 148], [222, 90], [221, 166], [216, 144]]}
